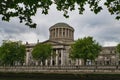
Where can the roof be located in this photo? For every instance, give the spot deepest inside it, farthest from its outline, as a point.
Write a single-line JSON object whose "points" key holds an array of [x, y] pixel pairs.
{"points": [[109, 47], [61, 24]]}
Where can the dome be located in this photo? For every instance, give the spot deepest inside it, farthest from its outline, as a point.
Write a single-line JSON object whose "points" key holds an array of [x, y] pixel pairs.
{"points": [[62, 25], [61, 32]]}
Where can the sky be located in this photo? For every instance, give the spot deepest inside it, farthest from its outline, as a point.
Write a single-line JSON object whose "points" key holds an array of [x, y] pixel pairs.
{"points": [[102, 27]]}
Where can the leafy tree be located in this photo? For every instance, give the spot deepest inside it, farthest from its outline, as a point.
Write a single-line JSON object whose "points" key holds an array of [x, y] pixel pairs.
{"points": [[41, 52], [25, 9], [85, 48], [0, 57], [118, 52], [118, 48], [12, 52]]}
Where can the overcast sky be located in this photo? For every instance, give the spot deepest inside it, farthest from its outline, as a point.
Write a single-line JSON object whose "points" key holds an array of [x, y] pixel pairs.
{"points": [[103, 27]]}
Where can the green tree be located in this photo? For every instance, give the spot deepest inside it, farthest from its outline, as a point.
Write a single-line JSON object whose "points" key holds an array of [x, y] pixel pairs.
{"points": [[0, 57], [12, 52], [118, 53], [25, 9], [85, 48], [118, 48], [41, 52]]}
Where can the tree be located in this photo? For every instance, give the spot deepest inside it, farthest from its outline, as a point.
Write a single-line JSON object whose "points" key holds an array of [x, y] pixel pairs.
{"points": [[0, 57], [25, 9], [41, 52], [12, 52], [118, 52], [85, 48], [118, 48]]}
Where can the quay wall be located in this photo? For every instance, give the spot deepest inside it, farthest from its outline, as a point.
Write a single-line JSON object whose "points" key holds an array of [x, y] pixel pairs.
{"points": [[61, 69]]}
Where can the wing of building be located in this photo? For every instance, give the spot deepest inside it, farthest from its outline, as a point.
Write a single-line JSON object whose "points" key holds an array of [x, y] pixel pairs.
{"points": [[61, 37]]}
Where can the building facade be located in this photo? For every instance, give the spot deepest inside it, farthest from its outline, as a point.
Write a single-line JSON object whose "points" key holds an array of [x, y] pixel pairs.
{"points": [[61, 37]]}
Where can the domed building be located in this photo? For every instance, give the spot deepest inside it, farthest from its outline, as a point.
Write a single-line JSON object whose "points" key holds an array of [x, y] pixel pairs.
{"points": [[61, 37]]}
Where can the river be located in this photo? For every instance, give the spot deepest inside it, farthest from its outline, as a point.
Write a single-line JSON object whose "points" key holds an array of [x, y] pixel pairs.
{"points": [[48, 76], [38, 76]]}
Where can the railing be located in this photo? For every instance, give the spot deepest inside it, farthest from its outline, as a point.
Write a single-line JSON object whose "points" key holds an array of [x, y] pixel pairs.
{"points": [[64, 67], [59, 68]]}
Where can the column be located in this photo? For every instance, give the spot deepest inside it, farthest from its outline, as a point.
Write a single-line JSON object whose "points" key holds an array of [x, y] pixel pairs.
{"points": [[51, 34], [71, 35], [68, 33], [62, 58], [41, 63], [51, 60], [27, 58], [65, 32], [36, 63], [80, 62], [46, 62], [55, 33], [58, 32], [56, 58], [62, 32]]}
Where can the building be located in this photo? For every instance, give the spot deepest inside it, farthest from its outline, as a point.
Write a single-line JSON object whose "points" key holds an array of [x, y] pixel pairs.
{"points": [[108, 56], [61, 37]]}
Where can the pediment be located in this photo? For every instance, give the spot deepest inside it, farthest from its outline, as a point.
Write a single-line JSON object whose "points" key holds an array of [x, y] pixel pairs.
{"points": [[53, 42]]}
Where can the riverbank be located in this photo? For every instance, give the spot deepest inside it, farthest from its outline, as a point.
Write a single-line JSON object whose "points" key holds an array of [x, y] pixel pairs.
{"points": [[55, 76], [62, 69]]}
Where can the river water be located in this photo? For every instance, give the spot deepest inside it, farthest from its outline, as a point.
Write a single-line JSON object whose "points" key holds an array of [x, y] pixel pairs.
{"points": [[12, 76], [35, 79], [21, 79]]}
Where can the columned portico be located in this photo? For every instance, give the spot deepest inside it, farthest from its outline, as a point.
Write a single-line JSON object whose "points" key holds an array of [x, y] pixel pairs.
{"points": [[58, 57]]}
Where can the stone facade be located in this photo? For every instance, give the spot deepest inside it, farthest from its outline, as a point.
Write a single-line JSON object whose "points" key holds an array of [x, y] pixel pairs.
{"points": [[108, 56], [61, 37]]}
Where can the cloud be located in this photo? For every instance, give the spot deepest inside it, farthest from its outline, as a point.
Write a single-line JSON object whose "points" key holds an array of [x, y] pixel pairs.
{"points": [[103, 27]]}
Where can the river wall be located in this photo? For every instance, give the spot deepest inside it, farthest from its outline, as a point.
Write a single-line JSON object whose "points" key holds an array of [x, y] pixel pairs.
{"points": [[62, 69]]}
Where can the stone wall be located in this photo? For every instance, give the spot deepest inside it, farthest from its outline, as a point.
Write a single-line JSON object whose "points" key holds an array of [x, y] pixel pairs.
{"points": [[62, 69]]}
